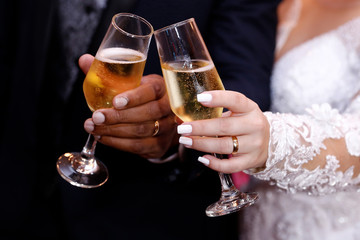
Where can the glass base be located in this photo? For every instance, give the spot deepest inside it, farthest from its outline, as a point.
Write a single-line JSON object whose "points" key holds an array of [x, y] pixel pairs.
{"points": [[227, 205], [81, 172]]}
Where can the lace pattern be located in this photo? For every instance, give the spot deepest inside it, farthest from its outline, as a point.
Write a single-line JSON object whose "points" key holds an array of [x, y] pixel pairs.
{"points": [[304, 139]]}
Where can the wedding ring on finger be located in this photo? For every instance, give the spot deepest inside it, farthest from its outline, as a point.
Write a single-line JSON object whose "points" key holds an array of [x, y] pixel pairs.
{"points": [[156, 128], [235, 145]]}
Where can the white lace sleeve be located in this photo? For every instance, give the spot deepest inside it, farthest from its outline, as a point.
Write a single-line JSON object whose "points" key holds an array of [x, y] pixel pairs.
{"points": [[317, 153]]}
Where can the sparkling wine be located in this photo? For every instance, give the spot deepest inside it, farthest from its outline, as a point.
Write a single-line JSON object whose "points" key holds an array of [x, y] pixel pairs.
{"points": [[186, 79], [113, 71]]}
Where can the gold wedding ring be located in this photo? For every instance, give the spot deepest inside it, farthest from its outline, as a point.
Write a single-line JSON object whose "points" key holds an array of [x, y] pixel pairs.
{"points": [[235, 145], [156, 128]]}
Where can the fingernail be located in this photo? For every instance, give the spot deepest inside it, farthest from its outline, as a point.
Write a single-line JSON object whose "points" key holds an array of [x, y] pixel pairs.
{"points": [[89, 126], [97, 137], [98, 117], [181, 129], [186, 141], [204, 97], [120, 102], [204, 161]]}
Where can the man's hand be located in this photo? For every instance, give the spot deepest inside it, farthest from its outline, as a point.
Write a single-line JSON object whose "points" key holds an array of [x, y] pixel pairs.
{"points": [[130, 124]]}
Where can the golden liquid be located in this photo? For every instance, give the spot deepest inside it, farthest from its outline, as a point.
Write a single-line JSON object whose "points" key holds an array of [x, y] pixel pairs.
{"points": [[184, 80], [113, 71]]}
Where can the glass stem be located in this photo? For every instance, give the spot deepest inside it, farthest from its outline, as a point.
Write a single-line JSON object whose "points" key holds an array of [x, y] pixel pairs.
{"points": [[87, 163], [88, 151], [228, 189]]}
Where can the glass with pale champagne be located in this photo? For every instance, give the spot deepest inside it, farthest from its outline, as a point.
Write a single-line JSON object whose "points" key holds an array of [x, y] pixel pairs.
{"points": [[189, 70], [118, 66]]}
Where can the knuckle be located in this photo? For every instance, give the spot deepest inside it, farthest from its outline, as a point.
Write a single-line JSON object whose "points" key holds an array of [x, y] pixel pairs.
{"points": [[157, 110], [152, 111], [223, 125], [239, 98], [120, 116], [158, 85], [155, 83], [258, 142], [252, 104], [141, 130], [258, 124], [249, 104], [157, 88], [164, 108]]}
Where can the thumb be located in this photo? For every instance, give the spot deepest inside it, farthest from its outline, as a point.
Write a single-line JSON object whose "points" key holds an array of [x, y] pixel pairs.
{"points": [[85, 62]]}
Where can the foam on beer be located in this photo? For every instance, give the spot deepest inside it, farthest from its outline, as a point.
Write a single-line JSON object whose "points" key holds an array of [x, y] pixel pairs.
{"points": [[111, 54]]}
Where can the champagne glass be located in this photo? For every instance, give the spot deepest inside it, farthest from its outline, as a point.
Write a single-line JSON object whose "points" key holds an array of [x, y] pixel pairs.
{"points": [[118, 66], [188, 70]]}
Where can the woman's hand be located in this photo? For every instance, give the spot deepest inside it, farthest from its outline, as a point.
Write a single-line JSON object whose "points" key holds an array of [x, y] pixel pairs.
{"points": [[130, 125], [244, 121]]}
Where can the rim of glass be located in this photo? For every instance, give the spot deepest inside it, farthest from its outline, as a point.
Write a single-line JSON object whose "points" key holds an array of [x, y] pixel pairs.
{"points": [[132, 16], [175, 25]]}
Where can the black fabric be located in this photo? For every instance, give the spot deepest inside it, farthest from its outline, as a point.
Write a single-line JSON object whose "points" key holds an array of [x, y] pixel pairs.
{"points": [[141, 200]]}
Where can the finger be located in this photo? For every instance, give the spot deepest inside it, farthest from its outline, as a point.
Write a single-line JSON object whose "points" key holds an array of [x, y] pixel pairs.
{"points": [[138, 130], [225, 126], [85, 62], [223, 145], [152, 147], [231, 165], [152, 88], [150, 111], [89, 125], [234, 101]]}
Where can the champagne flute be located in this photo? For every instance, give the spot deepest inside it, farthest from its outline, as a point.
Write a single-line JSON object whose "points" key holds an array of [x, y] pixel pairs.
{"points": [[188, 70], [118, 66]]}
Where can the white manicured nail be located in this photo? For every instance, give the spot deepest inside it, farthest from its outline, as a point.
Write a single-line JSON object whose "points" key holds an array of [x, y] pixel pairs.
{"points": [[186, 141], [89, 126], [204, 161], [120, 102], [98, 117], [204, 97], [181, 129]]}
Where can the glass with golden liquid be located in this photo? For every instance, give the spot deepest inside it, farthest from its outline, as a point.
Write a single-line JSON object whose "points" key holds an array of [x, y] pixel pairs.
{"points": [[180, 80], [118, 66], [189, 70], [114, 70]]}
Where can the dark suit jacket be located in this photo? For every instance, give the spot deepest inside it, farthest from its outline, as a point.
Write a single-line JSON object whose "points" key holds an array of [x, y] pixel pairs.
{"points": [[141, 200]]}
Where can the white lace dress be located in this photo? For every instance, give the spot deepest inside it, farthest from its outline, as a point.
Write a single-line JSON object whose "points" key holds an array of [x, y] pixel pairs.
{"points": [[315, 90]]}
